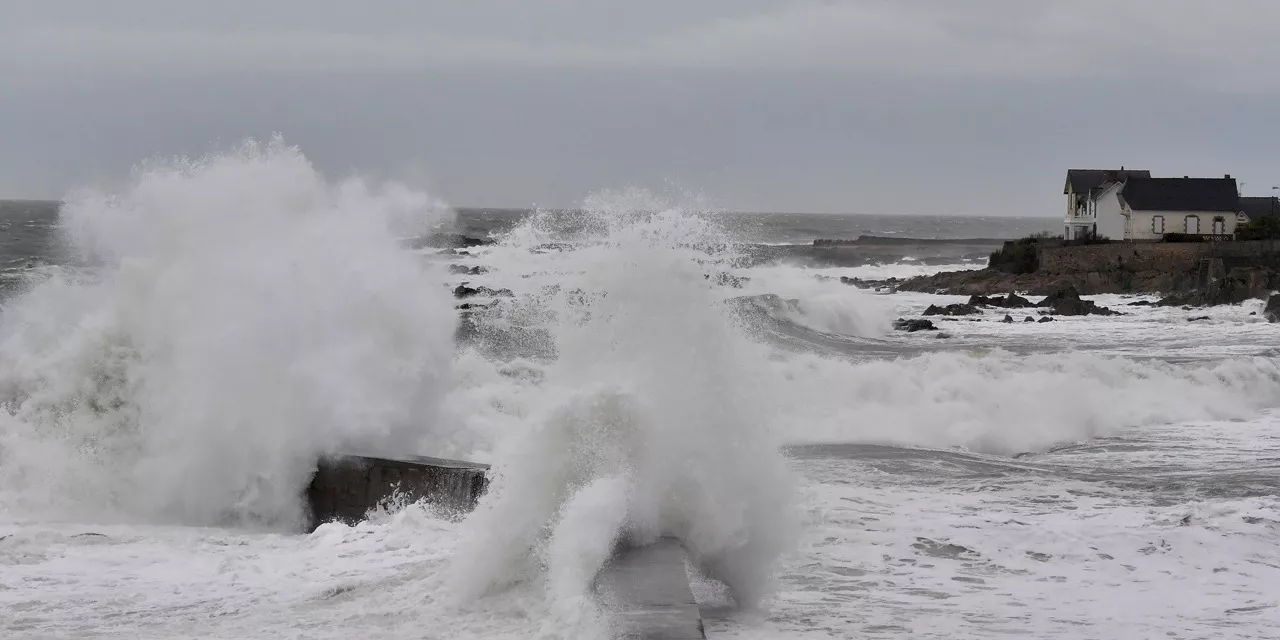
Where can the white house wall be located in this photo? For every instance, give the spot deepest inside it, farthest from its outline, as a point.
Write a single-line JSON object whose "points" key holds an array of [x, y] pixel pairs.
{"points": [[1110, 222], [1141, 223]]}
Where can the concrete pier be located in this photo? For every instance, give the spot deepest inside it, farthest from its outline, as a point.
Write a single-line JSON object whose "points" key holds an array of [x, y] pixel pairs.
{"points": [[647, 591], [346, 487]]}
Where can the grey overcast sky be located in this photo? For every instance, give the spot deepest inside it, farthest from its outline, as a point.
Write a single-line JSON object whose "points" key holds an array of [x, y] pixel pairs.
{"points": [[872, 106]]}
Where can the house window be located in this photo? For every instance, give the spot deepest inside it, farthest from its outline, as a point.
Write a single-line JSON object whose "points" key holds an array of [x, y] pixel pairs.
{"points": [[1191, 224], [1157, 225], [1219, 226]]}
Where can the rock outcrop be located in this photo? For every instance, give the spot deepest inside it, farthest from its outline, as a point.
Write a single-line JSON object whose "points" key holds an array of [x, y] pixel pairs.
{"points": [[1272, 310], [951, 310], [1235, 286], [912, 326], [1010, 301], [1202, 274], [463, 291], [1067, 302], [726, 279]]}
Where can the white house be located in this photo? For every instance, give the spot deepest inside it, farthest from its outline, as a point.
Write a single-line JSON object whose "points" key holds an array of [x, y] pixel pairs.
{"points": [[1148, 208], [1083, 188]]}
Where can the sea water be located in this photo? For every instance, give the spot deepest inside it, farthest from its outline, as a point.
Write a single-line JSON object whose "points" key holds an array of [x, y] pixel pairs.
{"points": [[175, 351]]}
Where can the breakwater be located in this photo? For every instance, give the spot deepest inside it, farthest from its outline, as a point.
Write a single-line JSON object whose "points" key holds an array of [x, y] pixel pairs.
{"points": [[346, 487], [646, 590]]}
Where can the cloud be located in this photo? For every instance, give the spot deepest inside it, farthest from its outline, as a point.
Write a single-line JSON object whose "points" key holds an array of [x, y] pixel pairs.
{"points": [[843, 105], [1183, 41]]}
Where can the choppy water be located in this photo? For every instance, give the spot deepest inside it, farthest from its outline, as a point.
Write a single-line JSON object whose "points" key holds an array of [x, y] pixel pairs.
{"points": [[165, 397]]}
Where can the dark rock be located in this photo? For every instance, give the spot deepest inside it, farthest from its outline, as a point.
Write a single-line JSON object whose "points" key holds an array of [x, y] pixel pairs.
{"points": [[468, 306], [951, 310], [453, 241], [1015, 301], [1046, 319], [1029, 319], [942, 335], [1181, 299], [461, 269], [463, 291], [1272, 310], [1233, 287], [1140, 303], [890, 284], [1067, 302], [1197, 318], [1008, 319], [1010, 301], [726, 279], [912, 326]]}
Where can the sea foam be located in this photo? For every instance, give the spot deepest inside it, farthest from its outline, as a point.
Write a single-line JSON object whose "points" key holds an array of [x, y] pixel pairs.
{"points": [[230, 319], [652, 400]]}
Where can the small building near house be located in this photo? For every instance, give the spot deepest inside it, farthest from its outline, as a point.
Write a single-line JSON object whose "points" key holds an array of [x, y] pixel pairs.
{"points": [[1253, 208], [1153, 207], [1082, 188]]}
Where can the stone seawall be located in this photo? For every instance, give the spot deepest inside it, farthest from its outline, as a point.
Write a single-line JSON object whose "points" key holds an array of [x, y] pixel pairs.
{"points": [[1221, 271], [346, 487], [1165, 257]]}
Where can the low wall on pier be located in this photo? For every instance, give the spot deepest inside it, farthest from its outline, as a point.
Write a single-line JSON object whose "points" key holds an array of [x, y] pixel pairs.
{"points": [[346, 487]]}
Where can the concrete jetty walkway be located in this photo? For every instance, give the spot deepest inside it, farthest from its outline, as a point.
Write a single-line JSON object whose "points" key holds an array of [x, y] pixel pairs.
{"points": [[647, 591]]}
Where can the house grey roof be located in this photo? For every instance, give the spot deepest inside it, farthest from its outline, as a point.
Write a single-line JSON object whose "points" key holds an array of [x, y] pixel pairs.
{"points": [[1181, 194], [1082, 180], [1260, 207]]}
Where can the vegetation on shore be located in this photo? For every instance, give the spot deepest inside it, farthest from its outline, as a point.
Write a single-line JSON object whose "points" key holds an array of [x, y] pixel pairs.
{"points": [[1265, 228], [1020, 256]]}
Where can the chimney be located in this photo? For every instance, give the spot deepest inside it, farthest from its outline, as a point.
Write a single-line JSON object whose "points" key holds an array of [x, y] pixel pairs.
{"points": [[1226, 176]]}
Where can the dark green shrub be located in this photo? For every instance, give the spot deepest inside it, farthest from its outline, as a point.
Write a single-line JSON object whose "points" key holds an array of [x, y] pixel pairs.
{"points": [[1265, 228], [1016, 256]]}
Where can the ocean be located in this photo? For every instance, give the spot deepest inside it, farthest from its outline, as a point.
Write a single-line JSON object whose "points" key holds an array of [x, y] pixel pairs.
{"points": [[175, 354]]}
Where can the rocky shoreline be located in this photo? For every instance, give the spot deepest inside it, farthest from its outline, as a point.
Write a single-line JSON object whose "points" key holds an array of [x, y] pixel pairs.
{"points": [[1179, 289], [1063, 302]]}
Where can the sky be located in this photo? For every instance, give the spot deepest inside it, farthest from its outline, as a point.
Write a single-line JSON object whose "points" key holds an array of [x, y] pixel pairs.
{"points": [[851, 106]]}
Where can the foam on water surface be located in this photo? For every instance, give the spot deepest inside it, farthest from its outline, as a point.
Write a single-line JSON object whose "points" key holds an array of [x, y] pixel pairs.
{"points": [[928, 544], [1090, 477], [381, 579]]}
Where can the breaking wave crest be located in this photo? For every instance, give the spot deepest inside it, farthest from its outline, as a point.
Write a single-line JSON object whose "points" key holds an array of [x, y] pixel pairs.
{"points": [[232, 318], [648, 423], [1005, 403]]}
